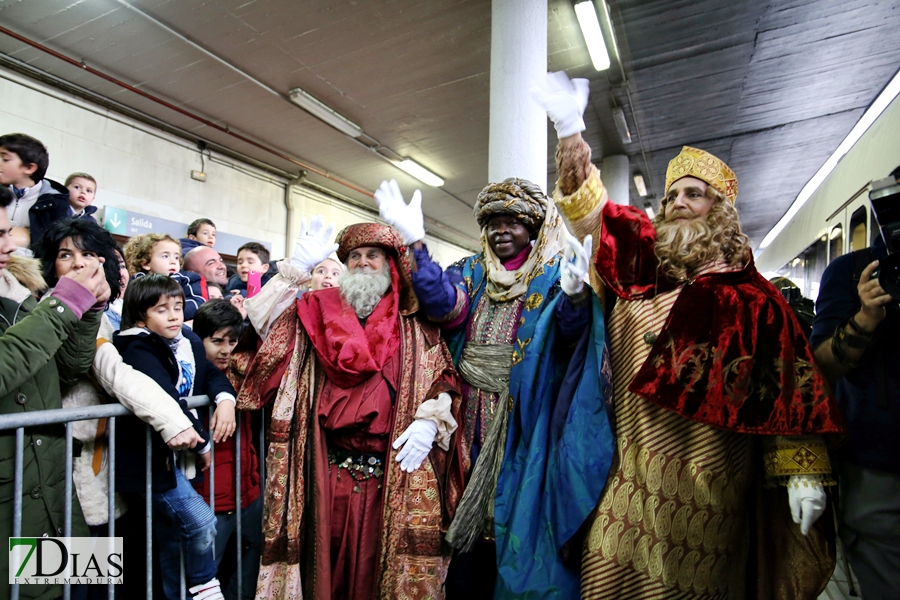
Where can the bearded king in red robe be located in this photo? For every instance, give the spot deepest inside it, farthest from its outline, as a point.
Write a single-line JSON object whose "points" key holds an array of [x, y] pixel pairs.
{"points": [[717, 486], [362, 469]]}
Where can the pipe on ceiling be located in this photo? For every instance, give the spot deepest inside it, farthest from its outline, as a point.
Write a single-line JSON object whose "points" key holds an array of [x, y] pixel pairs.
{"points": [[181, 111]]}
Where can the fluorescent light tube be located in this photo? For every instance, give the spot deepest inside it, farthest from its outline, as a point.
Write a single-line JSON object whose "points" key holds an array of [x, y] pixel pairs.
{"points": [[324, 113], [593, 36], [874, 111], [420, 172], [650, 212], [640, 185]]}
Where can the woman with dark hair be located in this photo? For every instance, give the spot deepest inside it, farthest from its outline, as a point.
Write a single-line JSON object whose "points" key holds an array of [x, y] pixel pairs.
{"points": [[64, 245], [43, 346], [73, 245]]}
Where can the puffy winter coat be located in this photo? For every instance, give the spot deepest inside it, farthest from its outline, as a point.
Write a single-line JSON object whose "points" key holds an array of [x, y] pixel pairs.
{"points": [[225, 461], [43, 346]]}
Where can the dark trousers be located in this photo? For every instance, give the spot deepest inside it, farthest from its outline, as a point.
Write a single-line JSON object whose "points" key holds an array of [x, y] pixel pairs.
{"points": [[472, 575]]}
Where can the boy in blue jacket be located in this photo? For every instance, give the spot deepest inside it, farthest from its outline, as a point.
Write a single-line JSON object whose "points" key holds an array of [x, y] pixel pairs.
{"points": [[154, 341]]}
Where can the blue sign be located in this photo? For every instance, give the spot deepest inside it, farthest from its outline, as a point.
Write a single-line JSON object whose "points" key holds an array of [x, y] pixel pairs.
{"points": [[128, 223]]}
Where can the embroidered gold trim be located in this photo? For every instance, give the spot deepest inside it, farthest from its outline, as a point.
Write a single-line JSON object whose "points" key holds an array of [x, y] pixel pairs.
{"points": [[585, 200], [786, 456]]}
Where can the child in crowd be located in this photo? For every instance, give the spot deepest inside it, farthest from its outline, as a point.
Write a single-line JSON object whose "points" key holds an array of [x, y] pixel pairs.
{"points": [[154, 341], [252, 256], [82, 191], [50, 208], [214, 290], [219, 325], [201, 232], [326, 273], [161, 254], [23, 165]]}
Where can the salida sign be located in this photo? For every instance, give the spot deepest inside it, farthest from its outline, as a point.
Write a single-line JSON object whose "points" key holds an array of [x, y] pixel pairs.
{"points": [[73, 560]]}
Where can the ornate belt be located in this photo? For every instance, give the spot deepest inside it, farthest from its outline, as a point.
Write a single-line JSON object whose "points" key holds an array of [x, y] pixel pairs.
{"points": [[360, 465]]}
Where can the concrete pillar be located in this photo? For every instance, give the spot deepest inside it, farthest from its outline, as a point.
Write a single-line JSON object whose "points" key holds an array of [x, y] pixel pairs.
{"points": [[518, 126], [616, 176]]}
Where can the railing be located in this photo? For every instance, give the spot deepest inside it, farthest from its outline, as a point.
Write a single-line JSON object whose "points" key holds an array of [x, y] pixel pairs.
{"points": [[67, 416]]}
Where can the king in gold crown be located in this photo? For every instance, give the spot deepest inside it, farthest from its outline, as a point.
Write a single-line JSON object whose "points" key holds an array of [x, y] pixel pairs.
{"points": [[693, 162]]}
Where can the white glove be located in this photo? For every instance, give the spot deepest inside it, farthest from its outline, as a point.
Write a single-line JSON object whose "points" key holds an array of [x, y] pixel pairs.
{"points": [[575, 264], [405, 218], [314, 244], [416, 441], [806, 497], [564, 101]]}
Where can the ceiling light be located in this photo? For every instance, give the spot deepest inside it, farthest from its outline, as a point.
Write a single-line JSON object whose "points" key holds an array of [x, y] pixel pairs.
{"points": [[324, 113], [649, 210], [640, 185], [420, 172], [593, 36], [886, 96], [618, 116]]}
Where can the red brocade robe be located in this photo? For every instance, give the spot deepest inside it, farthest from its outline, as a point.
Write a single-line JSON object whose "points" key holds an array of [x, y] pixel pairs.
{"points": [[328, 379], [685, 514], [731, 355]]}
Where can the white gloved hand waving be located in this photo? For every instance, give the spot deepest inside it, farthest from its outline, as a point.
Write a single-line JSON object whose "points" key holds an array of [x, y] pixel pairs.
{"points": [[405, 218], [314, 244], [565, 101], [806, 497], [416, 441], [575, 264]]}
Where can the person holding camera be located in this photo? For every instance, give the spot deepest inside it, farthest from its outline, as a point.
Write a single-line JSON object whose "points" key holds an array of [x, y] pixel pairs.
{"points": [[855, 335]]}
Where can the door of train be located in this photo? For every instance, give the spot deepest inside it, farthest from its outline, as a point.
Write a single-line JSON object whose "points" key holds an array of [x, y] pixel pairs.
{"points": [[850, 228]]}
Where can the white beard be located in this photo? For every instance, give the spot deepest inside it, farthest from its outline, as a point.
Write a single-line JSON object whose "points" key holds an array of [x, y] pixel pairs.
{"points": [[364, 289]]}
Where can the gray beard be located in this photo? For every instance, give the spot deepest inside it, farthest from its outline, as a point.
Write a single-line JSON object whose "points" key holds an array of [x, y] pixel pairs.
{"points": [[363, 290]]}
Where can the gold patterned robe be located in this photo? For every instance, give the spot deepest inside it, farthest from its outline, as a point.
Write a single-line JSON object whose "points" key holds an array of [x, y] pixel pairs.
{"points": [[684, 514]]}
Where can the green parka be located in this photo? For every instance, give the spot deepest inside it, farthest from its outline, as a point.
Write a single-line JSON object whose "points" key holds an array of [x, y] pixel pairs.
{"points": [[43, 347]]}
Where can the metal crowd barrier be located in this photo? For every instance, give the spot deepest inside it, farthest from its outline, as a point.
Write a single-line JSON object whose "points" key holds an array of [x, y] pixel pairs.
{"points": [[67, 416]]}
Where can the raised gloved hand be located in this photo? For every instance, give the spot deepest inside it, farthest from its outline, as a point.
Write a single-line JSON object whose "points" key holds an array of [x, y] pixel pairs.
{"points": [[575, 264], [416, 441], [314, 244], [806, 497], [405, 218], [564, 101]]}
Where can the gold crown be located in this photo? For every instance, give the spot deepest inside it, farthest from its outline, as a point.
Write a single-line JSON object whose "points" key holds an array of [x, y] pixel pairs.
{"points": [[693, 162]]}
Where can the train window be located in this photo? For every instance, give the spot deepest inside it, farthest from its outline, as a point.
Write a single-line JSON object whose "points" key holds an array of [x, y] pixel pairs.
{"points": [[796, 271], [836, 242], [806, 270], [858, 229]]}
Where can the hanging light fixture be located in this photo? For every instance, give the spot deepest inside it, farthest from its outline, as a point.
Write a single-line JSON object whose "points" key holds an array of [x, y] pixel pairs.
{"points": [[324, 113]]}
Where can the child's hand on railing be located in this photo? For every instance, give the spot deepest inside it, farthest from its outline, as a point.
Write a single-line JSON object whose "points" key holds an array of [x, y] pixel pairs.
{"points": [[222, 424], [204, 460]]}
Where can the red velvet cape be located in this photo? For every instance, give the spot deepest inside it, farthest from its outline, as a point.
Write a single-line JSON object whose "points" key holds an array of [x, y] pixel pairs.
{"points": [[731, 353]]}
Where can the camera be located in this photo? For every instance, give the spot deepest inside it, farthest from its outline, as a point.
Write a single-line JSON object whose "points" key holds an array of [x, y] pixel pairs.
{"points": [[885, 199]]}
